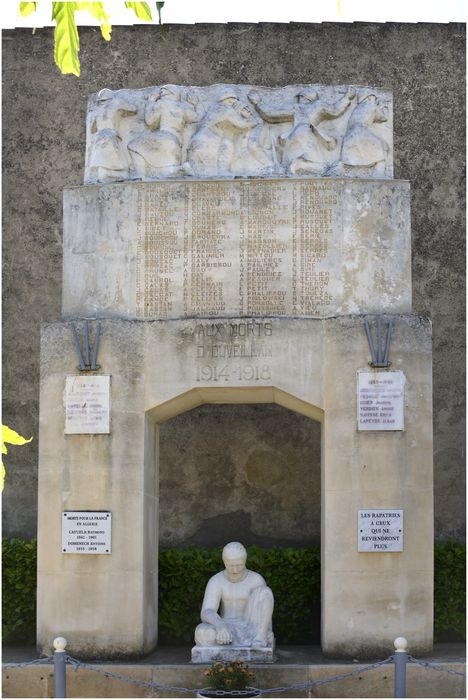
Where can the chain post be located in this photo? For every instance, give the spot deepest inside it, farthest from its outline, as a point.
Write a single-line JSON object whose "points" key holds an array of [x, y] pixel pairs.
{"points": [[60, 668], [400, 660]]}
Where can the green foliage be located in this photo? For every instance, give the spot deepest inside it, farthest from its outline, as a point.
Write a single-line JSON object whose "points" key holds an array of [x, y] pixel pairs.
{"points": [[10, 437], [183, 574], [98, 12], [294, 577], [27, 8], [292, 574], [141, 9], [19, 590], [159, 7], [67, 41], [449, 588]]}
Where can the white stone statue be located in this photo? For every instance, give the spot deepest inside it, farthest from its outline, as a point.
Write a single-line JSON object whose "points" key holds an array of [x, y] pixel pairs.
{"points": [[363, 152], [236, 613], [159, 152], [108, 160]]}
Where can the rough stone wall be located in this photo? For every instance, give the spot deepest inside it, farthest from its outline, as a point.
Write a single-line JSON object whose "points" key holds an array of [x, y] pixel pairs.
{"points": [[43, 150], [252, 470]]}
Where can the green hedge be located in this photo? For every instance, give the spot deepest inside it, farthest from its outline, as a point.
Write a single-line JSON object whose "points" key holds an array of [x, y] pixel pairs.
{"points": [[449, 589], [293, 574], [19, 562]]}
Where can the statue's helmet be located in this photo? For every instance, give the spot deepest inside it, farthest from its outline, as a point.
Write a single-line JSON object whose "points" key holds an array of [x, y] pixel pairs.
{"points": [[309, 95], [104, 94], [228, 96], [171, 90], [363, 97]]}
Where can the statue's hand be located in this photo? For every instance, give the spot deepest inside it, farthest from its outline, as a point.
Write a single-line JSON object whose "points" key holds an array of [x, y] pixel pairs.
{"points": [[223, 635]]}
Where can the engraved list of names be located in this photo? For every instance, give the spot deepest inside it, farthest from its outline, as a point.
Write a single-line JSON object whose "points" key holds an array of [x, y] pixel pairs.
{"points": [[223, 248]]}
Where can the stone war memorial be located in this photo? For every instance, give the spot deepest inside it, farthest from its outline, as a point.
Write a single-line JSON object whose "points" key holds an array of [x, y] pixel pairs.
{"points": [[236, 244]]}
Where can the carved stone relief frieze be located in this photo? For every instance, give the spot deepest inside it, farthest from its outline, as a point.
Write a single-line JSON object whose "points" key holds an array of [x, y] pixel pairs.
{"points": [[227, 131]]}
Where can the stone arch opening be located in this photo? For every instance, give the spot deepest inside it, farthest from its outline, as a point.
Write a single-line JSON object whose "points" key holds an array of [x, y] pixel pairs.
{"points": [[248, 472], [239, 464]]}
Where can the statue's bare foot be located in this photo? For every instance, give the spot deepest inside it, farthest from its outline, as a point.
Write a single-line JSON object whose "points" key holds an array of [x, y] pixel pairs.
{"points": [[186, 169]]}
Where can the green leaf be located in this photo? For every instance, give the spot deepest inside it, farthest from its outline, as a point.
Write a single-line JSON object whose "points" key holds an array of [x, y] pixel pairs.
{"points": [[67, 42], [27, 8], [98, 12], [12, 438], [159, 6], [141, 9]]}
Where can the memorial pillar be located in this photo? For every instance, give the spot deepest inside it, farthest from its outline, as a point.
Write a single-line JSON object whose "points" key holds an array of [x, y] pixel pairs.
{"points": [[368, 596]]}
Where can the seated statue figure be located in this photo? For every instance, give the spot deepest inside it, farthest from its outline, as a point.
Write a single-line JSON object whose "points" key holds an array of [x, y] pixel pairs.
{"points": [[237, 609]]}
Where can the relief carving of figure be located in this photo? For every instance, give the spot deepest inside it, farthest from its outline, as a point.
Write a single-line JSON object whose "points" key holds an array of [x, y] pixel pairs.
{"points": [[159, 152], [306, 145], [237, 607], [228, 141], [109, 159], [363, 152]]}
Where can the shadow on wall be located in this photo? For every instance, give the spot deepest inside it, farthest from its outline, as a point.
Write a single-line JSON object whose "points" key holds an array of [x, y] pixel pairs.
{"points": [[248, 472]]}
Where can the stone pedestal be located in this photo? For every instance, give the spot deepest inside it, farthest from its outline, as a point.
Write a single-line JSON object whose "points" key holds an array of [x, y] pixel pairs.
{"points": [[205, 655]]}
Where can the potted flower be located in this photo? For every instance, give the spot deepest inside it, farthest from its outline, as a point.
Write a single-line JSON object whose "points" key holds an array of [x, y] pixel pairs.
{"points": [[228, 676]]}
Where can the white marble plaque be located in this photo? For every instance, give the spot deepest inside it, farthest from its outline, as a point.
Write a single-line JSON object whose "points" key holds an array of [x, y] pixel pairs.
{"points": [[380, 400], [86, 532], [87, 404], [380, 530]]}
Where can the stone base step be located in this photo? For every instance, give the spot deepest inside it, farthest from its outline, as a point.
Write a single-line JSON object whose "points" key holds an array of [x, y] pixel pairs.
{"points": [[295, 665]]}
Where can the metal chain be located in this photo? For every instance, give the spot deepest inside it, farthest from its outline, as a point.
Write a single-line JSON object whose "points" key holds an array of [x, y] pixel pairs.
{"points": [[46, 660], [237, 693], [324, 681], [221, 693], [133, 681], [435, 667]]}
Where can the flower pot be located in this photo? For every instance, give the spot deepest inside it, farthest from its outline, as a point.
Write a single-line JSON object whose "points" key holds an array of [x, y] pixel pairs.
{"points": [[212, 693]]}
